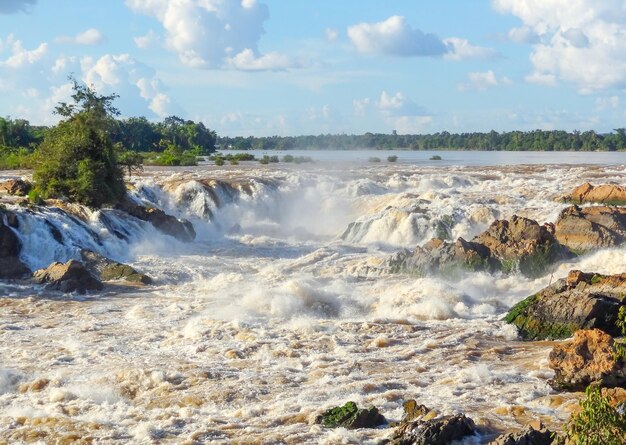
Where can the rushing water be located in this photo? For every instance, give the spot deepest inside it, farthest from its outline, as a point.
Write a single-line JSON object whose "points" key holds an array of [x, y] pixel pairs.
{"points": [[282, 306]]}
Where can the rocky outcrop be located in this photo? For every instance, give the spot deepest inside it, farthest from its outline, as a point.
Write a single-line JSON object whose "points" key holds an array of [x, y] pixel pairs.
{"points": [[108, 270], [516, 244], [439, 431], [530, 435], [350, 416], [588, 358], [580, 301], [17, 187], [10, 265], [72, 276], [583, 229], [609, 194], [180, 229]]}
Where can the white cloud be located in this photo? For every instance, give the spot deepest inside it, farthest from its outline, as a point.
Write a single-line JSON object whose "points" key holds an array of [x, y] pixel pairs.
{"points": [[480, 81], [606, 103], [20, 56], [361, 106], [13, 6], [248, 61], [411, 124], [213, 33], [331, 34], [523, 34], [462, 49], [146, 40], [128, 77], [395, 37], [398, 105], [580, 42], [89, 37]]}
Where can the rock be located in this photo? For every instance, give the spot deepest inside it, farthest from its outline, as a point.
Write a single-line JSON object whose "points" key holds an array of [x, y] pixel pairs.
{"points": [[580, 301], [440, 431], [10, 246], [582, 229], [351, 417], [108, 270], [609, 194], [588, 358], [528, 436], [180, 229], [507, 245], [16, 187], [72, 276]]}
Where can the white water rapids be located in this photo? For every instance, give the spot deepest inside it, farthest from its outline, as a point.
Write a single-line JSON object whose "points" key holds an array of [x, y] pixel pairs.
{"points": [[281, 309]]}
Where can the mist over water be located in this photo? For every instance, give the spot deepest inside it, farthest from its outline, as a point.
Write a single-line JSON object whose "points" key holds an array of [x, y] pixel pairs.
{"points": [[282, 306]]}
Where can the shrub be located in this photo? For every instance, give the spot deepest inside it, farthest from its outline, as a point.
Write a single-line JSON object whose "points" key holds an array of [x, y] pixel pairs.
{"points": [[219, 161], [234, 162], [392, 158], [435, 158], [288, 158], [264, 160], [34, 197], [373, 159]]}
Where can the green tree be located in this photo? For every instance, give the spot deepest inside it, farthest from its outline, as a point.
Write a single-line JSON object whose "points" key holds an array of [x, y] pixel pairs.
{"points": [[131, 161], [77, 159]]}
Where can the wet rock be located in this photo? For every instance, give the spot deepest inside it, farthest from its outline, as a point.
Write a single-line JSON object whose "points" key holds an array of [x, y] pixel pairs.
{"points": [[588, 358], [350, 416], [609, 194], [580, 301], [528, 436], [583, 229], [17, 187], [507, 245], [440, 431], [108, 270], [72, 276], [10, 265], [180, 229]]}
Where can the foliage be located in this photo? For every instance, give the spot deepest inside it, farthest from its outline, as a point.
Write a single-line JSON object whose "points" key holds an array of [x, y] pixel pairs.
{"points": [[269, 159], [288, 158], [535, 140], [34, 197], [172, 156], [131, 161], [15, 158], [620, 345], [392, 158], [435, 158], [598, 422], [219, 161], [373, 159], [77, 159]]}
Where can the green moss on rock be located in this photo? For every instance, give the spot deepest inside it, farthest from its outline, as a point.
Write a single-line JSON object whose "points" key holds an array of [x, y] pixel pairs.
{"points": [[351, 417]]}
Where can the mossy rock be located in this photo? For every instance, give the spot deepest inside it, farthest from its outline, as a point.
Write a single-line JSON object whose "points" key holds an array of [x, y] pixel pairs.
{"points": [[118, 271], [350, 416]]}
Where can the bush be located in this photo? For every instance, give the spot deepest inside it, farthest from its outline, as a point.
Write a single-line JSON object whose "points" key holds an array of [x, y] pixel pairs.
{"points": [[219, 161], [77, 159], [392, 158], [34, 197], [234, 162], [264, 160], [288, 158], [435, 158], [14, 159], [598, 422], [373, 159], [302, 159]]}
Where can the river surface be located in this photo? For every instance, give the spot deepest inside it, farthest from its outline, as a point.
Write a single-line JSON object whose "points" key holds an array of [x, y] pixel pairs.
{"points": [[281, 308]]}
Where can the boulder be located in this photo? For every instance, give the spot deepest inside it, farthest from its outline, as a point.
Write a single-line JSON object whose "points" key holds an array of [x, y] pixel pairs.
{"points": [[609, 194], [440, 431], [580, 301], [72, 276], [507, 245], [10, 246], [583, 229], [16, 187], [527, 436], [108, 270], [180, 229], [588, 358], [350, 416]]}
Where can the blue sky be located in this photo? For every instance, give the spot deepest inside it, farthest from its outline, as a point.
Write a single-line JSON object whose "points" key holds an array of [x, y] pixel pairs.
{"points": [[265, 67]]}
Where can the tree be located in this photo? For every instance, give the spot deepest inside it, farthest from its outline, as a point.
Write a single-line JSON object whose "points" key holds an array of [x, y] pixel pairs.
{"points": [[130, 160], [77, 159]]}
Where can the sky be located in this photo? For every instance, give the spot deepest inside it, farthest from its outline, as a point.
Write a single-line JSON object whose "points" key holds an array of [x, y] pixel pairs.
{"points": [[291, 67]]}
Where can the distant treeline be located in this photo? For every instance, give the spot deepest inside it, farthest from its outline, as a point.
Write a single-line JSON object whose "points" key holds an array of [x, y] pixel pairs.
{"points": [[537, 140], [135, 133]]}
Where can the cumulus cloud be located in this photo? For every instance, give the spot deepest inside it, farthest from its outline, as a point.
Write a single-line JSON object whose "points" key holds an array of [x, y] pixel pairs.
{"points": [[396, 37], [582, 42], [20, 56], [247, 60], [480, 81], [13, 6], [398, 105], [126, 76], [331, 34], [462, 49], [147, 40], [213, 33], [361, 106], [89, 37]]}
